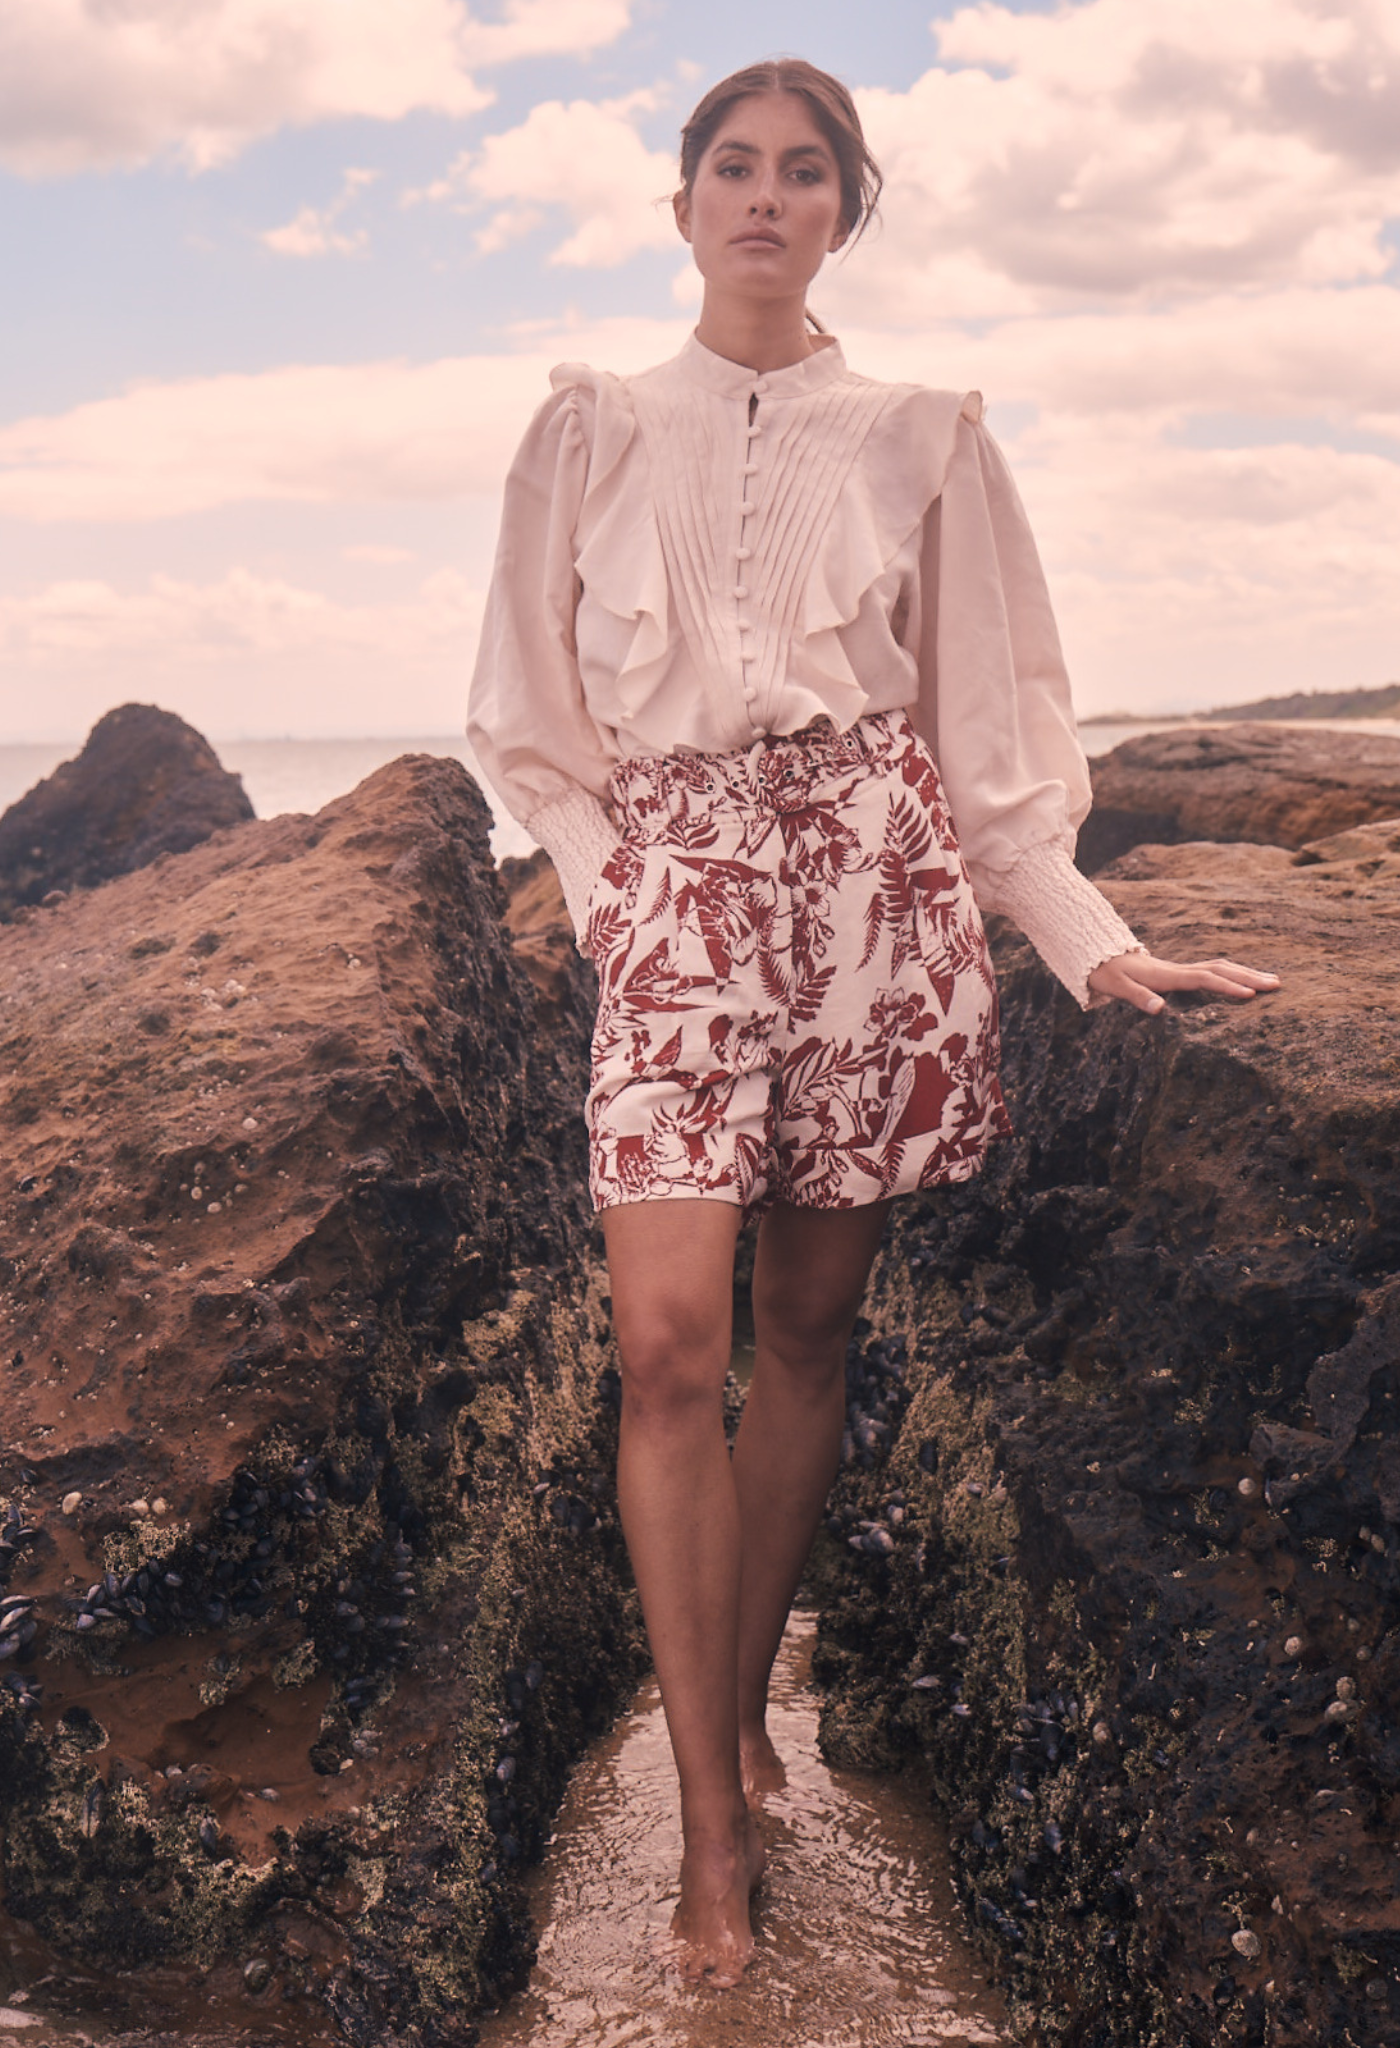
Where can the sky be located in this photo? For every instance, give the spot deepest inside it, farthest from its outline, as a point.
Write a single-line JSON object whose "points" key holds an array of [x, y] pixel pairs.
{"points": [[284, 280]]}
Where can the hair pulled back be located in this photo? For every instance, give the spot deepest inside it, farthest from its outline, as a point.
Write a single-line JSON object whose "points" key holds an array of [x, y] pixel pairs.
{"points": [[833, 110]]}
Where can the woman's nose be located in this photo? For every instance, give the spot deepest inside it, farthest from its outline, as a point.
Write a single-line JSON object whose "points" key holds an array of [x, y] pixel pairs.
{"points": [[765, 196]]}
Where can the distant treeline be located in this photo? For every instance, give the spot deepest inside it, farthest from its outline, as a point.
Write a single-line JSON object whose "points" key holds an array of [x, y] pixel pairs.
{"points": [[1382, 702]]}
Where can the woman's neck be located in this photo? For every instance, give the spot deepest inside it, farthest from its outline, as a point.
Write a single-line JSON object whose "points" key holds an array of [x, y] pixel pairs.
{"points": [[762, 334]]}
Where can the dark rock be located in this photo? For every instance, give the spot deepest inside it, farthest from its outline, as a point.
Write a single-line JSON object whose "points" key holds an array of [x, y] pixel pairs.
{"points": [[297, 1296], [1269, 784], [144, 784], [1196, 1229]]}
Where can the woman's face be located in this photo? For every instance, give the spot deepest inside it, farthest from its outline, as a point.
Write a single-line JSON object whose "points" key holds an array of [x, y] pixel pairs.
{"points": [[765, 207]]}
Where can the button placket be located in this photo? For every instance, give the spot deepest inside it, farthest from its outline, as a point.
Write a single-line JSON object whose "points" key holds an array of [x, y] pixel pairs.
{"points": [[741, 592]]}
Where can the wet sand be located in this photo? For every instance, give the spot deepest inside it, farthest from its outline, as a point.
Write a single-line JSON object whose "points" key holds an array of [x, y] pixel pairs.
{"points": [[860, 1943]]}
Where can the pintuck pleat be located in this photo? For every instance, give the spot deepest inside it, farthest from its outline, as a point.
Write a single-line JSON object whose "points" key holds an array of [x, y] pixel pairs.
{"points": [[697, 444]]}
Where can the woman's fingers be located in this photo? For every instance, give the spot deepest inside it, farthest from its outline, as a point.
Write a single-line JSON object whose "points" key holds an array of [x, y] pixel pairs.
{"points": [[1112, 980], [1143, 980], [1224, 977]]}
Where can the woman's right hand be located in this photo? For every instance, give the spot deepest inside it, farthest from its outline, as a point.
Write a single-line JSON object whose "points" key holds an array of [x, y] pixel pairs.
{"points": [[1145, 981]]}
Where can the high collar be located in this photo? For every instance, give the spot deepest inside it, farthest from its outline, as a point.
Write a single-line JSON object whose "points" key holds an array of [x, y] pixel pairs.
{"points": [[734, 380]]}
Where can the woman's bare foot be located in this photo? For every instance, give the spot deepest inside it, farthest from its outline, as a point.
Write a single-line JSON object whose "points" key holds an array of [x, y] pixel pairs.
{"points": [[761, 1768], [711, 1923]]}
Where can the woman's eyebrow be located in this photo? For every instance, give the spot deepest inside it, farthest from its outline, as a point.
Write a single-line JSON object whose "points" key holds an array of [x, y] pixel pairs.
{"points": [[816, 149]]}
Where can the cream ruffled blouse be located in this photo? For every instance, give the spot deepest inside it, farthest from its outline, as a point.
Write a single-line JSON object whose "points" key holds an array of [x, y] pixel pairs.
{"points": [[699, 555]]}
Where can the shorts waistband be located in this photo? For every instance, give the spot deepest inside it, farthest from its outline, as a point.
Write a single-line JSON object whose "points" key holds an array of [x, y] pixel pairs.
{"points": [[778, 771]]}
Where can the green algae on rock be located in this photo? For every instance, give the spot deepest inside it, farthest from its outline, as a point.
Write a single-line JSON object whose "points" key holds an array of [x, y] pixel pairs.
{"points": [[298, 1294], [1138, 1611]]}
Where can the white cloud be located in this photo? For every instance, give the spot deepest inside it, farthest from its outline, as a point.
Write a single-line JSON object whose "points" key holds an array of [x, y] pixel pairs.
{"points": [[313, 231], [316, 434], [330, 434], [1108, 150], [1332, 355], [377, 554], [87, 83], [543, 28], [1192, 576], [309, 233], [584, 159], [242, 612], [245, 650], [511, 224], [1188, 576]]}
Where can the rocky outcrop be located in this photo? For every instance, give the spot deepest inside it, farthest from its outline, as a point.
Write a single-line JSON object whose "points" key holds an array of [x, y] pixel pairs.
{"points": [[311, 1576], [144, 784], [1270, 784], [538, 922], [1116, 1549]]}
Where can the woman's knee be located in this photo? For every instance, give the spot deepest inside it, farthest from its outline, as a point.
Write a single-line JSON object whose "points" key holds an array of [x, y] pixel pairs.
{"points": [[671, 1267], [669, 1371], [806, 1331], [809, 1276]]}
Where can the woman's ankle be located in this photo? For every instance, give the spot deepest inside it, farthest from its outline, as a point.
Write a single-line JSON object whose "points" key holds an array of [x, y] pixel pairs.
{"points": [[718, 1828]]}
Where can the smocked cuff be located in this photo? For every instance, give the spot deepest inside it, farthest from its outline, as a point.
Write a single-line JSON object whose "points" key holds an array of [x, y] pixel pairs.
{"points": [[1071, 924], [578, 835]]}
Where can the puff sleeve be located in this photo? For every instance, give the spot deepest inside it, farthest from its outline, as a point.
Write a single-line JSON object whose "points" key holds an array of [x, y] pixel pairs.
{"points": [[994, 705], [527, 721]]}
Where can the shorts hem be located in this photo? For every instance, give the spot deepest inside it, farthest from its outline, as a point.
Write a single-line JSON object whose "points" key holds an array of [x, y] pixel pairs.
{"points": [[909, 1181], [731, 1199]]}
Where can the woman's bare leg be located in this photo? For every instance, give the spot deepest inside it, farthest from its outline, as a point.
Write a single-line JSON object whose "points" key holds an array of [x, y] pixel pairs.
{"points": [[810, 1270], [671, 1269]]}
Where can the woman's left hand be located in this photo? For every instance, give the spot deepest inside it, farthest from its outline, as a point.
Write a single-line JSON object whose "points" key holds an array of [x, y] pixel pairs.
{"points": [[1142, 980]]}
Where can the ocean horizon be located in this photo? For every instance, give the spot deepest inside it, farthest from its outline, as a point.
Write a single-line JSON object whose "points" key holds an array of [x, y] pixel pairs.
{"points": [[291, 775]]}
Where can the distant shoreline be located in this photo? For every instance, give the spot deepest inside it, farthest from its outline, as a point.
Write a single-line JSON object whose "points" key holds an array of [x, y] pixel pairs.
{"points": [[1380, 702]]}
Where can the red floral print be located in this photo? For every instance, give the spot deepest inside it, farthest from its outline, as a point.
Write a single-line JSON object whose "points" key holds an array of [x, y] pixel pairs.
{"points": [[795, 997]]}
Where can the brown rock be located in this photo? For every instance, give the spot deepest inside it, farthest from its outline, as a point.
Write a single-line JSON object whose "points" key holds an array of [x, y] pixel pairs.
{"points": [[144, 784], [294, 1252], [1182, 1271], [1270, 784], [538, 921]]}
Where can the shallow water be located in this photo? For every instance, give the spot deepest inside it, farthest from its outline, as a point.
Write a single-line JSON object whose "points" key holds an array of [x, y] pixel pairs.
{"points": [[860, 1940], [860, 1943]]}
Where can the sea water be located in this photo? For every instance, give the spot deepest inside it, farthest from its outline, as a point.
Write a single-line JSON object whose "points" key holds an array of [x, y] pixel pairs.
{"points": [[303, 774], [285, 774]]}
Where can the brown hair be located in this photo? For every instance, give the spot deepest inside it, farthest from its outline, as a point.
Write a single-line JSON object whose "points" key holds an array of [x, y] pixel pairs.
{"points": [[833, 110]]}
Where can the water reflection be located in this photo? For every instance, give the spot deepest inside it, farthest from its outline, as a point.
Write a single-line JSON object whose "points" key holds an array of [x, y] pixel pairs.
{"points": [[859, 1938]]}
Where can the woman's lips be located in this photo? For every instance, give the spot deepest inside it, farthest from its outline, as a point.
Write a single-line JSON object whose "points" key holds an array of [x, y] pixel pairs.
{"points": [[764, 240]]}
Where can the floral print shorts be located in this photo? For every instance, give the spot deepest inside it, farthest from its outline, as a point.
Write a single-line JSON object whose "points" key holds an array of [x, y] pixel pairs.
{"points": [[795, 997]]}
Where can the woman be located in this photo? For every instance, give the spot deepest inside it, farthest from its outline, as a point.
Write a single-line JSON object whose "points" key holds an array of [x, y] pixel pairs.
{"points": [[742, 605]]}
